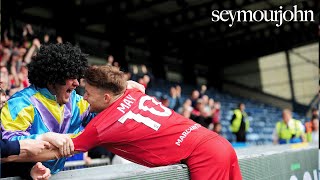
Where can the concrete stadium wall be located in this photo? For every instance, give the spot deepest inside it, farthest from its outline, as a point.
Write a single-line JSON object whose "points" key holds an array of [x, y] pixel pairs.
{"points": [[281, 162]]}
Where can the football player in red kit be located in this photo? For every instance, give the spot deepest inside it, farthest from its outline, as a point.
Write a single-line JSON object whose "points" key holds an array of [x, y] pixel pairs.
{"points": [[139, 128]]}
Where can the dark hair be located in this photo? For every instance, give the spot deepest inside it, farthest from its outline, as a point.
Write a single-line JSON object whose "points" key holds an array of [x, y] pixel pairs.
{"points": [[55, 63]]}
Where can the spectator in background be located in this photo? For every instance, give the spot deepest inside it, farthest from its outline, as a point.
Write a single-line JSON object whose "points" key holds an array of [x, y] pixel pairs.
{"points": [[28, 33], [174, 98], [207, 107], [4, 81], [46, 39], [134, 73], [59, 40], [144, 80], [179, 90], [203, 90], [127, 75], [7, 81], [186, 106], [195, 95], [23, 76], [145, 71], [32, 50], [6, 54], [116, 64], [110, 60], [239, 123], [314, 112], [217, 128], [216, 113], [199, 115], [165, 100], [15, 65], [7, 42], [186, 113], [312, 130], [211, 103], [288, 130], [315, 132], [3, 98]]}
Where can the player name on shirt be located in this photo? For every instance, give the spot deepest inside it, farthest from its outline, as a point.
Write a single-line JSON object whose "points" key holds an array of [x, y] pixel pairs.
{"points": [[126, 103], [186, 132], [144, 111]]}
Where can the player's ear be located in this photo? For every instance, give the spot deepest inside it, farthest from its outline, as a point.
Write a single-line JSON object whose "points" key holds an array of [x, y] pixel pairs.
{"points": [[107, 98]]}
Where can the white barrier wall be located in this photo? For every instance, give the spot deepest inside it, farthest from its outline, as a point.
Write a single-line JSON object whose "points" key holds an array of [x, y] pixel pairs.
{"points": [[281, 162]]}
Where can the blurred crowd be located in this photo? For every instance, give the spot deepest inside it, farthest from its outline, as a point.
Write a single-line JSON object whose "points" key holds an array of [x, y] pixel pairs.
{"points": [[16, 50]]}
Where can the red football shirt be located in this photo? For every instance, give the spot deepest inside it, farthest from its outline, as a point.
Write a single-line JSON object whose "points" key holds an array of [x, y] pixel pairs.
{"points": [[139, 128]]}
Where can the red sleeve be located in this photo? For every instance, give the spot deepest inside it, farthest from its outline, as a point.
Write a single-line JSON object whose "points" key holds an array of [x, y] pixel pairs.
{"points": [[86, 140]]}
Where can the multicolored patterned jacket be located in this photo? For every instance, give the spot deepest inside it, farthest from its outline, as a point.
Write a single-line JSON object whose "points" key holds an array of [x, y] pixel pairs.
{"points": [[34, 111]]}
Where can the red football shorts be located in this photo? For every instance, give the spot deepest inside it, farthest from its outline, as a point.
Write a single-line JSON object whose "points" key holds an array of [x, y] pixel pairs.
{"points": [[214, 159]]}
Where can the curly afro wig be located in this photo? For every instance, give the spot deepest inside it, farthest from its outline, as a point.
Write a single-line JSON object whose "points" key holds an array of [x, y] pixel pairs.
{"points": [[55, 63]]}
